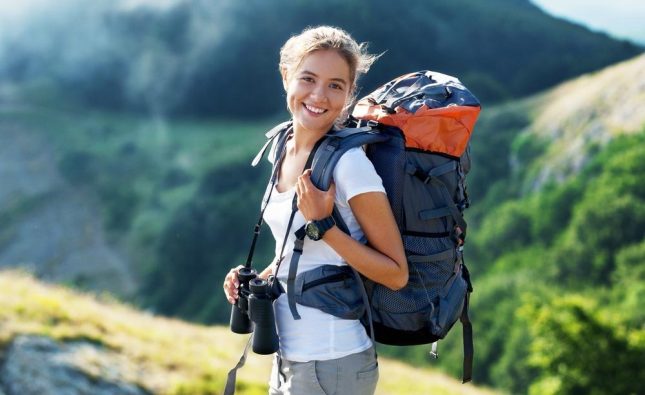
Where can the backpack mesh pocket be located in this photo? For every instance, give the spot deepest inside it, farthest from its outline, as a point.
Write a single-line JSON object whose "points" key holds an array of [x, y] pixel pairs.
{"points": [[414, 306], [416, 245]]}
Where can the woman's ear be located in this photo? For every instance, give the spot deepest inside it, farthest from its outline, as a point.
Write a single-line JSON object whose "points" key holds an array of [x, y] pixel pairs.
{"points": [[285, 82]]}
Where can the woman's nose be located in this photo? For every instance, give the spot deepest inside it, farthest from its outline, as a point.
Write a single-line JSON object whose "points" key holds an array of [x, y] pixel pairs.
{"points": [[318, 92]]}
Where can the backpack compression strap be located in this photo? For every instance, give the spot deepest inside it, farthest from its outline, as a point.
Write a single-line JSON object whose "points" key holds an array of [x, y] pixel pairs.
{"points": [[451, 208], [467, 330]]}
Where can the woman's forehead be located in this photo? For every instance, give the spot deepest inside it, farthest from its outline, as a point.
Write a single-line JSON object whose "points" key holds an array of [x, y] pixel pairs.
{"points": [[327, 64]]}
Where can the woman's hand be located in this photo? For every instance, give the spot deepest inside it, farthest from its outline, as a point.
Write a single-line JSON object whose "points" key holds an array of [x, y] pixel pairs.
{"points": [[313, 203], [231, 284]]}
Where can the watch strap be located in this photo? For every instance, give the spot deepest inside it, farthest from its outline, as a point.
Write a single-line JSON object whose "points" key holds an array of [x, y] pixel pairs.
{"points": [[324, 225]]}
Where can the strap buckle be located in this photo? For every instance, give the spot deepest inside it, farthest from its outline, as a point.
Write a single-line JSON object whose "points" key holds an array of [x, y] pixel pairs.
{"points": [[458, 236]]}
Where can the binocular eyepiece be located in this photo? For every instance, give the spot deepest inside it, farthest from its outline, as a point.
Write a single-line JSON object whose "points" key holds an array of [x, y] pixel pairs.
{"points": [[253, 312]]}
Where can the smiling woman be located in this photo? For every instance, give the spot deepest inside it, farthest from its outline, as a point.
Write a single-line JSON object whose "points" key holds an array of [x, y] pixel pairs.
{"points": [[324, 349]]}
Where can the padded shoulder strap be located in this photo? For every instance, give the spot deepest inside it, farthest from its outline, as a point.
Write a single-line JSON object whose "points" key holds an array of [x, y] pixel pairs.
{"points": [[334, 146]]}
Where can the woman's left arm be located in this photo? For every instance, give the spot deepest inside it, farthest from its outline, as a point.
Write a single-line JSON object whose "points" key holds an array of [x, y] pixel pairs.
{"points": [[383, 259]]}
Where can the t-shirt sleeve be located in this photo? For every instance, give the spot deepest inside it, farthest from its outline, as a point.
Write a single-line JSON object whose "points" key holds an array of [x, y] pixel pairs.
{"points": [[354, 174]]}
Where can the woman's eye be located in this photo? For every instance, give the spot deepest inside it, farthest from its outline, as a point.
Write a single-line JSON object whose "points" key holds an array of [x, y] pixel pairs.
{"points": [[336, 86], [307, 79]]}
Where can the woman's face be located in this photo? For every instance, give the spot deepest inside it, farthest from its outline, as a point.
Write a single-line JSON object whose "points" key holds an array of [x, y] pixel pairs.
{"points": [[317, 90]]}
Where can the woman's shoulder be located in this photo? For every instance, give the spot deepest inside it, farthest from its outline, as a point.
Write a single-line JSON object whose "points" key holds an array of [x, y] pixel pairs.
{"points": [[354, 166], [356, 154], [354, 160]]}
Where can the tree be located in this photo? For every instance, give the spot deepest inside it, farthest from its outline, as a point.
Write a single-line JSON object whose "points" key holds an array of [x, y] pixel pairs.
{"points": [[583, 348]]}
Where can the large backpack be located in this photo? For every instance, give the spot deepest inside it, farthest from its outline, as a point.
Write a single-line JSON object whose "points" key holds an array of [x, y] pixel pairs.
{"points": [[416, 130]]}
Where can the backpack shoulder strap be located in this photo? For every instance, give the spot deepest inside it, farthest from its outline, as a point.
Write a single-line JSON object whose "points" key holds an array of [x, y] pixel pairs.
{"points": [[334, 146]]}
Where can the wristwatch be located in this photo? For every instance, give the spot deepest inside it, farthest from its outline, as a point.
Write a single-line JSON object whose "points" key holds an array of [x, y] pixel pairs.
{"points": [[315, 230]]}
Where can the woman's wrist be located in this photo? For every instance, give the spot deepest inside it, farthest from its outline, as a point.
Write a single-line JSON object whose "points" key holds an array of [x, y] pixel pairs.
{"points": [[267, 271]]}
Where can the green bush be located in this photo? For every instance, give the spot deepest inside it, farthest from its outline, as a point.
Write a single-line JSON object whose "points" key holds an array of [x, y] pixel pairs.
{"points": [[579, 350], [628, 283]]}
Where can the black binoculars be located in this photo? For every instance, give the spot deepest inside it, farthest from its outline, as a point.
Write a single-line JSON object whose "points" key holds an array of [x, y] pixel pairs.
{"points": [[253, 312]]}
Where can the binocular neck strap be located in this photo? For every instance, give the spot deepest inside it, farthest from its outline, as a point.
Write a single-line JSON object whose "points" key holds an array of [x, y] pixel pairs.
{"points": [[232, 374], [280, 149]]}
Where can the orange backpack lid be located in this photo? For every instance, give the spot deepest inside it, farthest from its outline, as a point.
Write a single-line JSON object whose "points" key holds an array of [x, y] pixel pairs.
{"points": [[434, 111]]}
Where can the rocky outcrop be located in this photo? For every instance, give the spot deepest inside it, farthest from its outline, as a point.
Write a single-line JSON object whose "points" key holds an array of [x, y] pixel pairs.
{"points": [[581, 115], [34, 365]]}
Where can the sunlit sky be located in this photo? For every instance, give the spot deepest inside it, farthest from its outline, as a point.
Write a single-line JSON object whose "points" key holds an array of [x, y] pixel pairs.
{"points": [[620, 18]]}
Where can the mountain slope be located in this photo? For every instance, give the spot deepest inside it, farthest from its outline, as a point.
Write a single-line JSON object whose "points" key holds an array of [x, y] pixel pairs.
{"points": [[584, 115], [199, 57], [49, 225], [551, 136], [528, 240], [556, 246], [113, 344]]}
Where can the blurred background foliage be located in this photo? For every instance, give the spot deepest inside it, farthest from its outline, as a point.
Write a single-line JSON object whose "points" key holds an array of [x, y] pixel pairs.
{"points": [[147, 116]]}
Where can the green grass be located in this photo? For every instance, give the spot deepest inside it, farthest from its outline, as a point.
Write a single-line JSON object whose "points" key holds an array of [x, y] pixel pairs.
{"points": [[166, 356]]}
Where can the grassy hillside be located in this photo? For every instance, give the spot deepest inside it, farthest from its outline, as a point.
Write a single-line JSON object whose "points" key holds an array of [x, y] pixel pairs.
{"points": [[161, 355]]}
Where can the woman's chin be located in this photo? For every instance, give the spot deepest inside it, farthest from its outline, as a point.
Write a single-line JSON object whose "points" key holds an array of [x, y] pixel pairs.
{"points": [[317, 124]]}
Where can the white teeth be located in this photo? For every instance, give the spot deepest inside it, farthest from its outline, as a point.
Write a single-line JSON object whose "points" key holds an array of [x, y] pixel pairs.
{"points": [[315, 109]]}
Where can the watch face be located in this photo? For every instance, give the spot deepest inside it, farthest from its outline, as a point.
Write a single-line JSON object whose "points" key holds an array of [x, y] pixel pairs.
{"points": [[312, 231]]}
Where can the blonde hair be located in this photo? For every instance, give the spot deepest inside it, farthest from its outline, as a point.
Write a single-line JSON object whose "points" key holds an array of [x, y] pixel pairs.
{"points": [[312, 39]]}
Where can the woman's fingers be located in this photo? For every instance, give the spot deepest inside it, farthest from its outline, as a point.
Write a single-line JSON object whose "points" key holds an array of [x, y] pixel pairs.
{"points": [[332, 189], [299, 188], [312, 202], [231, 284], [304, 181]]}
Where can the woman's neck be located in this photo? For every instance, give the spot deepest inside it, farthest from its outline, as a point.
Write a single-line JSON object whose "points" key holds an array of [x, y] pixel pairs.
{"points": [[304, 140]]}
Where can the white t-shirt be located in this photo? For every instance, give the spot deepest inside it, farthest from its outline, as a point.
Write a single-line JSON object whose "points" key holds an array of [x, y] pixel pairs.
{"points": [[318, 335]]}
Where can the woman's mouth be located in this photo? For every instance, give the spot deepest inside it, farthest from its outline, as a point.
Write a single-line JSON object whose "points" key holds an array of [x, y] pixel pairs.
{"points": [[315, 110]]}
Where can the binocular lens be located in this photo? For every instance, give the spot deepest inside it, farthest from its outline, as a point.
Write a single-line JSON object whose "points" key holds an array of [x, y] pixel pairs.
{"points": [[265, 338]]}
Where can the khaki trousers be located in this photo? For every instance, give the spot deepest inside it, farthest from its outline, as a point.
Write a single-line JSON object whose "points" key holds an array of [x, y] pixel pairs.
{"points": [[355, 374]]}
